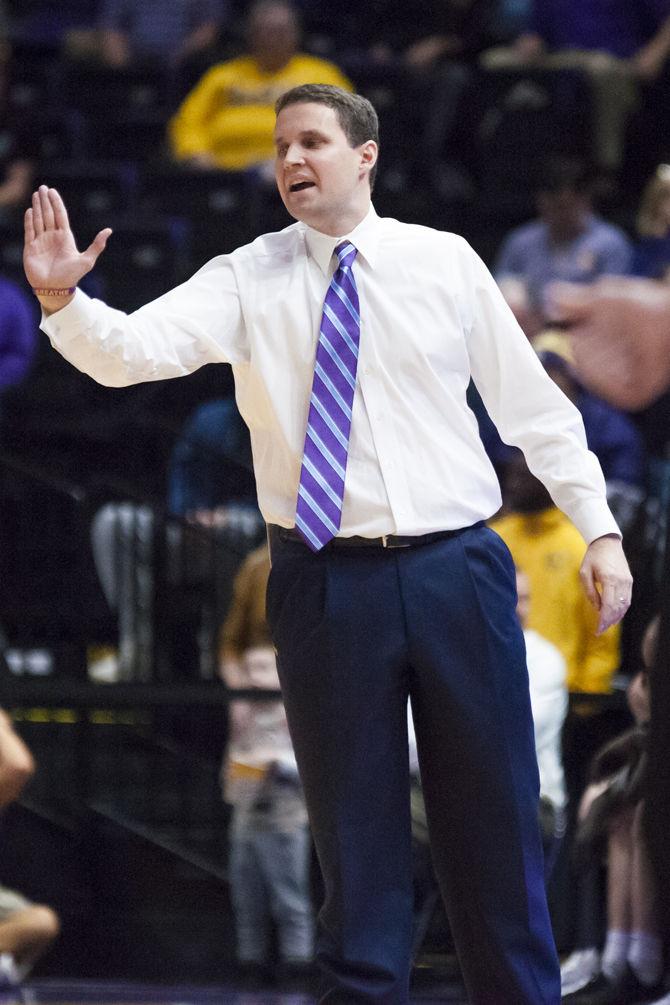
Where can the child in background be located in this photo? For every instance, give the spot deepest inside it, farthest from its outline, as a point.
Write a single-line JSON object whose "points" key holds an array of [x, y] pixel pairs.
{"points": [[269, 838]]}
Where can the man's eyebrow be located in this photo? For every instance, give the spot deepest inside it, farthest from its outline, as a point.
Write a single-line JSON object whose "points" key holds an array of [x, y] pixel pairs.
{"points": [[305, 134]]}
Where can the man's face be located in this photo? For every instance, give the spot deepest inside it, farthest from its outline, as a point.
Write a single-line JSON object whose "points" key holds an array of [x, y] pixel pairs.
{"points": [[321, 178], [563, 211], [274, 36]]}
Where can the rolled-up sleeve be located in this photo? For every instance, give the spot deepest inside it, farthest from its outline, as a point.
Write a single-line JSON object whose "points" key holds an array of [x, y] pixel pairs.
{"points": [[531, 412], [196, 323]]}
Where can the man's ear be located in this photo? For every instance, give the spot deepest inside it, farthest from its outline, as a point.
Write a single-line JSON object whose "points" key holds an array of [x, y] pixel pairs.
{"points": [[369, 152]]}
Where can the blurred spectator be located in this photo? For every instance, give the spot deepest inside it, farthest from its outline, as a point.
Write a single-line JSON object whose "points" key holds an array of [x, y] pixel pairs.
{"points": [[610, 813], [211, 463], [227, 121], [616, 44], [549, 550], [431, 52], [651, 256], [210, 482], [568, 242], [245, 626], [269, 838], [610, 434], [18, 335], [26, 930], [158, 32], [549, 702]]}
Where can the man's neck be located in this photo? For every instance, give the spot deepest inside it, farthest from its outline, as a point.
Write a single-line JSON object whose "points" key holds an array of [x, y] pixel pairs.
{"points": [[339, 224]]}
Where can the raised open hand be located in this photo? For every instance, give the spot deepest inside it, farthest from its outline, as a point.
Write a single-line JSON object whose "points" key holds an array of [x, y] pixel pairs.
{"points": [[50, 256]]}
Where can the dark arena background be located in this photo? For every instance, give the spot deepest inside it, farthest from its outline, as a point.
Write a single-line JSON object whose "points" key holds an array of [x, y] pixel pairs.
{"points": [[126, 514]]}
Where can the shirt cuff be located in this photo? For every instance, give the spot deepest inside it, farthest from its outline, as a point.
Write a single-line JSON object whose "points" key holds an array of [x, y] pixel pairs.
{"points": [[593, 519], [70, 321]]}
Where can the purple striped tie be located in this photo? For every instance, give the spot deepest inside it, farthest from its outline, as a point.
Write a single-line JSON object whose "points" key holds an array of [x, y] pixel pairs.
{"points": [[324, 461]]}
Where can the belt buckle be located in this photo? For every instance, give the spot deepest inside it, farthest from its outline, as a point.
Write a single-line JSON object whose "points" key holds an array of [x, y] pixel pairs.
{"points": [[388, 543]]}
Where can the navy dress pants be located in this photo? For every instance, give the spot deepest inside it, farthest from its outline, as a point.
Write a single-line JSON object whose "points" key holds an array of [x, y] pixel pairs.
{"points": [[357, 631]]}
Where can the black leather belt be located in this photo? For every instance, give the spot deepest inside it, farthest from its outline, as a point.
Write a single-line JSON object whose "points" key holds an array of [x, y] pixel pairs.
{"points": [[387, 541]]}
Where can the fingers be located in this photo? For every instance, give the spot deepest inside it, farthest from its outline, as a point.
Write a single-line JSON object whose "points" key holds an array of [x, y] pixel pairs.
{"points": [[28, 226], [38, 222], [589, 583], [47, 209], [97, 245], [615, 603], [613, 598], [607, 581], [61, 219]]}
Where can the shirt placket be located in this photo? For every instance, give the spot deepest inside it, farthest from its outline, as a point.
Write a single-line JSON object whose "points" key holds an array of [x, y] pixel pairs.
{"points": [[382, 425]]}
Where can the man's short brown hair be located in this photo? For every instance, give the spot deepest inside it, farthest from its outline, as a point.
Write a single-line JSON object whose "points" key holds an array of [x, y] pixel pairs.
{"points": [[356, 115]]}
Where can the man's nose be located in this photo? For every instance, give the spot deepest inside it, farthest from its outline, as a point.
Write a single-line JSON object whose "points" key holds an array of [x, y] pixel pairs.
{"points": [[294, 154]]}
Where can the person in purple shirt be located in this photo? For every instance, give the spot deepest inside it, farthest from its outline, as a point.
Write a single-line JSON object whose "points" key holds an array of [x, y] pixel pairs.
{"points": [[616, 43], [18, 335], [567, 242]]}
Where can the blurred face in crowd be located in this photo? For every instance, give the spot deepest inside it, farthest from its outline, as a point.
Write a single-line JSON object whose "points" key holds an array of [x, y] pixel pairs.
{"points": [[523, 597], [522, 491], [564, 212], [273, 35], [322, 179]]}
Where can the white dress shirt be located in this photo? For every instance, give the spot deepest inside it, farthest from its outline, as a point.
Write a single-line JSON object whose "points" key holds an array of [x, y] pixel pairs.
{"points": [[549, 702], [431, 317]]}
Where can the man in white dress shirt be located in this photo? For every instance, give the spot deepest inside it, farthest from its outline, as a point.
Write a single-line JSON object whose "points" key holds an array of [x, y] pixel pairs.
{"points": [[401, 590]]}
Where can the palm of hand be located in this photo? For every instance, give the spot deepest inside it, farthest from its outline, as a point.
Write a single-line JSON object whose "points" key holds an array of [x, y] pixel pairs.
{"points": [[51, 259], [50, 256]]}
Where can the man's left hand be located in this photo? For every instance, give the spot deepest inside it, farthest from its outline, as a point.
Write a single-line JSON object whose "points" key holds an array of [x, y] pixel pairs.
{"points": [[607, 580]]}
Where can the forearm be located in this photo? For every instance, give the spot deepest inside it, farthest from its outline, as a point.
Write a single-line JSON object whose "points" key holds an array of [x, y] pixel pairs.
{"points": [[531, 413], [171, 337]]}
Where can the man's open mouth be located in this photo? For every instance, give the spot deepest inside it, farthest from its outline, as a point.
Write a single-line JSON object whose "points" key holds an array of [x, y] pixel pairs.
{"points": [[298, 186]]}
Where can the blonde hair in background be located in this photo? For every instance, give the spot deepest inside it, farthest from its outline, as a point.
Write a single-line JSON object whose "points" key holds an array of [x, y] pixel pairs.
{"points": [[656, 190]]}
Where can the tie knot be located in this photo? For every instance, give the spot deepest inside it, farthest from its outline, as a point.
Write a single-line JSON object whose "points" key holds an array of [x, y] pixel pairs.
{"points": [[346, 253]]}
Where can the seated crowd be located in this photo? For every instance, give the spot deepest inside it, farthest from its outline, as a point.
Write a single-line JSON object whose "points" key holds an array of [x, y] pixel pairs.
{"points": [[188, 90]]}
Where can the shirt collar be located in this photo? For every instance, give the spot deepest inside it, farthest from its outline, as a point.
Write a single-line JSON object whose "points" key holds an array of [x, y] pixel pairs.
{"points": [[364, 237]]}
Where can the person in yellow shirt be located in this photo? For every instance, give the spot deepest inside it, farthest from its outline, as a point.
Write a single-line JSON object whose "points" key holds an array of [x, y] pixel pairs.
{"points": [[227, 120], [548, 549]]}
